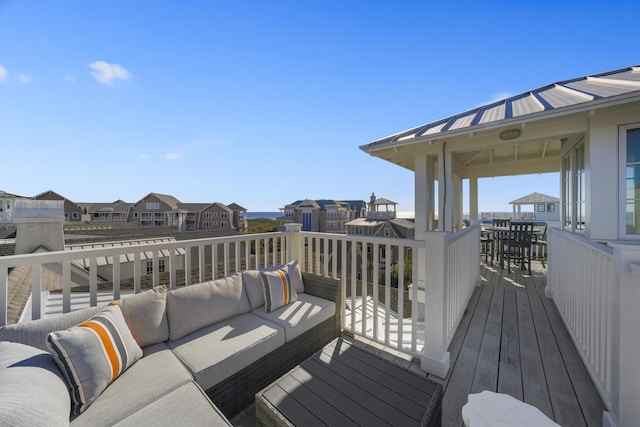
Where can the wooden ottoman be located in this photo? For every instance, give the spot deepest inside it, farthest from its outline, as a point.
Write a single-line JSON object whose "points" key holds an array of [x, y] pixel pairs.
{"points": [[342, 385]]}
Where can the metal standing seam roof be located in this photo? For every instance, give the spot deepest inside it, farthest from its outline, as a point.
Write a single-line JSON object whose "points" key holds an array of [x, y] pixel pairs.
{"points": [[547, 98]]}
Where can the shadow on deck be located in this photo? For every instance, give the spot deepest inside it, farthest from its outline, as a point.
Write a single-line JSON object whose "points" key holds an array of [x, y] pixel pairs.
{"points": [[512, 340]]}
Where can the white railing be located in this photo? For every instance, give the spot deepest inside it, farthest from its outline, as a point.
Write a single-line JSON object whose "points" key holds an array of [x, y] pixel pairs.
{"points": [[582, 283], [384, 280], [463, 273], [375, 274], [231, 254]]}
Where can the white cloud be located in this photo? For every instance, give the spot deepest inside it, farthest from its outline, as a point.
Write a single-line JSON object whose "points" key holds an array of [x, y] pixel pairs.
{"points": [[108, 74], [69, 78], [3, 74], [24, 78], [495, 98], [143, 156], [173, 156]]}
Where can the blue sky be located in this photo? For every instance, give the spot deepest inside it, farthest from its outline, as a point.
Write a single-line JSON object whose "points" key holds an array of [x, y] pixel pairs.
{"points": [[265, 102]]}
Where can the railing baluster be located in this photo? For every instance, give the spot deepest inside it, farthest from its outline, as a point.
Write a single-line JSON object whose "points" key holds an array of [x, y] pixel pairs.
{"points": [[156, 269], [363, 284], [226, 258], [354, 249], [414, 303], [343, 281], [247, 255], [36, 291], [93, 282], [387, 291], [400, 296], [187, 265], [375, 280], [214, 261], [136, 272], [201, 263], [116, 278], [173, 267], [4, 295]]}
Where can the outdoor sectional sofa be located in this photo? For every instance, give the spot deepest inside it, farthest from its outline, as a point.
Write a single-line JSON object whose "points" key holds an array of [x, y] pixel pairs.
{"points": [[207, 349]]}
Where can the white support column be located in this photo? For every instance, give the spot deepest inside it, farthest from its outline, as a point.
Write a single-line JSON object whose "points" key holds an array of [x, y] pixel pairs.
{"points": [[441, 184], [449, 192], [473, 200], [4, 209], [625, 387], [458, 215], [431, 192], [421, 196], [435, 358], [424, 202], [294, 243]]}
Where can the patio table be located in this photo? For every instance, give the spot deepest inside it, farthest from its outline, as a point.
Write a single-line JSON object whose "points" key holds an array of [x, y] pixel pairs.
{"points": [[342, 385]]}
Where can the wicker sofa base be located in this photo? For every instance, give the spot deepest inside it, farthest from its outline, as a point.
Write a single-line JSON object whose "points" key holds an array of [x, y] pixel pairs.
{"points": [[238, 391]]}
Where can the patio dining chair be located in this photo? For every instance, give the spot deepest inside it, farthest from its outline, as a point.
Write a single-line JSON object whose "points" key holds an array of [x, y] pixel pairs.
{"points": [[494, 239], [516, 245], [540, 242]]}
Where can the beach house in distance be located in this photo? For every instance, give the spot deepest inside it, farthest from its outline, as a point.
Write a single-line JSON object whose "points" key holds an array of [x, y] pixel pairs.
{"points": [[588, 129]]}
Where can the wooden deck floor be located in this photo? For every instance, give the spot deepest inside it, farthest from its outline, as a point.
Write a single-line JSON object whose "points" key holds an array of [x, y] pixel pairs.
{"points": [[512, 340]]}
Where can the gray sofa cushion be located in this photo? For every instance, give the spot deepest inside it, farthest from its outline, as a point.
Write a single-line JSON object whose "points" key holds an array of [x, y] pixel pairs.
{"points": [[216, 352], [184, 406], [148, 380], [299, 316], [35, 333], [196, 306], [252, 282], [146, 315], [32, 389]]}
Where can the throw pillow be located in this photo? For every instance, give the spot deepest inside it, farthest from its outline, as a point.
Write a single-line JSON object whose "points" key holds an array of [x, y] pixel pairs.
{"points": [[93, 354], [278, 289]]}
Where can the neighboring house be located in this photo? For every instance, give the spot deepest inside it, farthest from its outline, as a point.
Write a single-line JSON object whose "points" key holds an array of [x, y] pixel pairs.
{"points": [[117, 211], [72, 210], [157, 210], [240, 219], [326, 216], [205, 216], [545, 208]]}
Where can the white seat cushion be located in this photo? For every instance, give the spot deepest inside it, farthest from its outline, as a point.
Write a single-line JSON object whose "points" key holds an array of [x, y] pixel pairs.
{"points": [[184, 406], [149, 379], [216, 352], [299, 316]]}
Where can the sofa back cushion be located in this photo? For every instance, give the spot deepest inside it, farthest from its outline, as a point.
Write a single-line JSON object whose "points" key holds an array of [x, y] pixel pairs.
{"points": [[146, 316], [35, 333], [196, 306], [252, 282], [32, 389]]}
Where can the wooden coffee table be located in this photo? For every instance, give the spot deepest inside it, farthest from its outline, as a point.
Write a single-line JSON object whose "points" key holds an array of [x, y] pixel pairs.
{"points": [[343, 385]]}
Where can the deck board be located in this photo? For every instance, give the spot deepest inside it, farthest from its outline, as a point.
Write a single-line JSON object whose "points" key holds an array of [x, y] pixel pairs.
{"points": [[512, 340]]}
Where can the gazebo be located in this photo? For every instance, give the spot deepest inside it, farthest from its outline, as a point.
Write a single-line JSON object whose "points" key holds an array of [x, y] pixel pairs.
{"points": [[545, 208], [586, 128]]}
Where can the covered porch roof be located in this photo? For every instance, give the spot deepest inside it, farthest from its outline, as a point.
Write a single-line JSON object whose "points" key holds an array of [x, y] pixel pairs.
{"points": [[519, 135], [522, 133]]}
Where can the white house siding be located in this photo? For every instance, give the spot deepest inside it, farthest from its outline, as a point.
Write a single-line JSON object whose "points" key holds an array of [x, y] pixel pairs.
{"points": [[603, 170]]}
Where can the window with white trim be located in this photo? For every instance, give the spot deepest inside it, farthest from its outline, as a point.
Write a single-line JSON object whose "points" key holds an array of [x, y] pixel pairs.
{"points": [[152, 206], [574, 189], [630, 180]]}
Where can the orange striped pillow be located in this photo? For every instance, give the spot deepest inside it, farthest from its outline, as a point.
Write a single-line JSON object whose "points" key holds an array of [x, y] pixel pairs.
{"points": [[93, 354], [278, 289]]}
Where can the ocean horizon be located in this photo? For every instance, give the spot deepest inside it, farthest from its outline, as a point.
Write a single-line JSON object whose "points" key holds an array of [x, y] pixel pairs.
{"points": [[267, 215]]}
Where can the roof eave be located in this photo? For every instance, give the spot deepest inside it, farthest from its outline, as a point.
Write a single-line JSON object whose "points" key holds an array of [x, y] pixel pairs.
{"points": [[372, 147]]}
